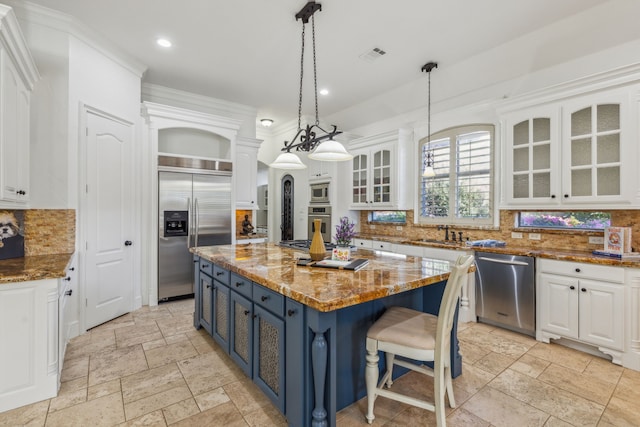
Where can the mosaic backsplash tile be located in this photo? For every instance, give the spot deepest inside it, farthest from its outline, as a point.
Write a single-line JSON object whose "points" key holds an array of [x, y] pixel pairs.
{"points": [[49, 231], [550, 239]]}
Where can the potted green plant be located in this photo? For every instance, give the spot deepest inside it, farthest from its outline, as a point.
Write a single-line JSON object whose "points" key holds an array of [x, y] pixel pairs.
{"points": [[345, 231]]}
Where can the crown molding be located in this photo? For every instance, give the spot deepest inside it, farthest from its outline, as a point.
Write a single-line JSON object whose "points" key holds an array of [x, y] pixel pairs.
{"points": [[164, 95], [16, 47], [154, 112], [609, 79], [40, 15]]}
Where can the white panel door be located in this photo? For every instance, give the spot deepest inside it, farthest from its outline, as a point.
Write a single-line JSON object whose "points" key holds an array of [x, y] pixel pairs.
{"points": [[108, 220]]}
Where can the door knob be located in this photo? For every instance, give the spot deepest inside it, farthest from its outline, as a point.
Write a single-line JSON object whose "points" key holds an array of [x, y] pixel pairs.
{"points": [[128, 243]]}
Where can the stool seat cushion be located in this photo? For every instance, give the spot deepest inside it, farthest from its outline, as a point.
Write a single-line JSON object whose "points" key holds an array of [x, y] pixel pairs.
{"points": [[406, 327]]}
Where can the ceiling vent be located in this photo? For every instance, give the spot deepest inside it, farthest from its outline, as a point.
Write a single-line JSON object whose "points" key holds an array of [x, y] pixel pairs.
{"points": [[372, 55]]}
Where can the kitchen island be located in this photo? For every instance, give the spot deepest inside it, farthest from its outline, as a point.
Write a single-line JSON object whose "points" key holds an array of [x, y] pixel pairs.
{"points": [[319, 317]]}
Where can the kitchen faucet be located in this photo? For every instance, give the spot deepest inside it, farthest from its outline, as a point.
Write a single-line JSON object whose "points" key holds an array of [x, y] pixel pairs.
{"points": [[446, 231]]}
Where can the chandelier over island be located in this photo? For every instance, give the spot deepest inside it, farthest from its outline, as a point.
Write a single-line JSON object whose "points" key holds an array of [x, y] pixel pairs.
{"points": [[312, 138]]}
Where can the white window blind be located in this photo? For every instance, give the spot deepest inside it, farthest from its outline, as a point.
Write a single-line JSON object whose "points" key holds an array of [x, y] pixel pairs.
{"points": [[462, 189]]}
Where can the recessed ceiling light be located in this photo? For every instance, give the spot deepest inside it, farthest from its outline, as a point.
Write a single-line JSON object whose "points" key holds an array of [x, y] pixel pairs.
{"points": [[266, 122], [324, 91], [163, 42]]}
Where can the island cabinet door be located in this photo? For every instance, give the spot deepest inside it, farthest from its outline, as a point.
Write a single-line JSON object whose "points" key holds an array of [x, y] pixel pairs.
{"points": [[220, 316], [241, 331], [204, 301], [269, 355]]}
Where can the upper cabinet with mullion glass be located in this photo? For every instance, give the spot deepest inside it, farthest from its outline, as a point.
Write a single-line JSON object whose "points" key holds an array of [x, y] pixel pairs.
{"points": [[596, 140], [579, 152], [381, 172], [532, 157]]}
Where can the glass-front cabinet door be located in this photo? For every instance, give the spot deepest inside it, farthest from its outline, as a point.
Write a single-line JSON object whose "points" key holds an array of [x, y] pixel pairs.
{"points": [[381, 176], [594, 152], [359, 171], [532, 157]]}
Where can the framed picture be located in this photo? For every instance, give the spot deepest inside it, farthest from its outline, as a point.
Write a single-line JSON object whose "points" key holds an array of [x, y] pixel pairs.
{"points": [[11, 234]]}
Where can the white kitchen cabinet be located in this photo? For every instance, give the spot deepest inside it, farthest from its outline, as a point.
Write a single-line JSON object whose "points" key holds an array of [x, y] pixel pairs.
{"points": [[245, 171], [583, 302], [532, 155], [67, 311], [569, 153], [381, 172], [321, 170], [18, 74], [29, 357]]}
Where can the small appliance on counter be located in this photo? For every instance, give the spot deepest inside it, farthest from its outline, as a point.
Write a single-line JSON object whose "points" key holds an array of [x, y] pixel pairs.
{"points": [[11, 234]]}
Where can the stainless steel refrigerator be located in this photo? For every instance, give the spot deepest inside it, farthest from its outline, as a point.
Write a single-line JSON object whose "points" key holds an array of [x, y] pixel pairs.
{"points": [[194, 209]]}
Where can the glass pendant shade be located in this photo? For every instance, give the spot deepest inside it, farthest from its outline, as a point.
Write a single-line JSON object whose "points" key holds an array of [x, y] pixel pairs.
{"points": [[288, 161], [428, 172], [330, 151]]}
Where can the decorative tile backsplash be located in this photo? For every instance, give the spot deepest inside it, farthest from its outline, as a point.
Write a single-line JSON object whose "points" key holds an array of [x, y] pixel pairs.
{"points": [[549, 239], [49, 231]]}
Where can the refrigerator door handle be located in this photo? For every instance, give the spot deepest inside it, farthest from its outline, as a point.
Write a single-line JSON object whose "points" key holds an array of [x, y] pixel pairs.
{"points": [[196, 213], [188, 222]]}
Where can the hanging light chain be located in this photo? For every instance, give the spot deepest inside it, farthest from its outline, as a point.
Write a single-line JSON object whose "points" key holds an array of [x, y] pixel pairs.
{"points": [[315, 79], [301, 78]]}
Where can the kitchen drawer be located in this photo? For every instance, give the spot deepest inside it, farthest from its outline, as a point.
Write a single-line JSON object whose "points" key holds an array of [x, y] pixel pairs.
{"points": [[221, 274], [272, 301], [360, 243], [241, 285], [206, 267], [581, 270], [381, 246]]}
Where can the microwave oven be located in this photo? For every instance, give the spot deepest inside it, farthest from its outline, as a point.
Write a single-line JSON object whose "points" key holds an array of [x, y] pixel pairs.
{"points": [[320, 192]]}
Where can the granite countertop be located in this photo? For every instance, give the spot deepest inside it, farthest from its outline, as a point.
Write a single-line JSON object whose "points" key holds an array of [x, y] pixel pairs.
{"points": [[29, 268], [251, 236], [560, 254], [326, 289]]}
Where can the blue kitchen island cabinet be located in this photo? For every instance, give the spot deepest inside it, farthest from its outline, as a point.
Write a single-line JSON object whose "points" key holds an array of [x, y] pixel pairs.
{"points": [[317, 318]]}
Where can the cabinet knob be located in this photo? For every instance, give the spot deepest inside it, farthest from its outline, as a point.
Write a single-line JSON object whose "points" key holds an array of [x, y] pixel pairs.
{"points": [[72, 269], [238, 284], [583, 290], [291, 312], [264, 298], [246, 312], [578, 270], [219, 273], [128, 243], [68, 279], [553, 196], [572, 287], [69, 292], [566, 196], [208, 286]]}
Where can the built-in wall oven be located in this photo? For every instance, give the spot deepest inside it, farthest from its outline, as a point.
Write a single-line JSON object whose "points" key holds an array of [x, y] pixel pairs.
{"points": [[320, 192], [322, 213]]}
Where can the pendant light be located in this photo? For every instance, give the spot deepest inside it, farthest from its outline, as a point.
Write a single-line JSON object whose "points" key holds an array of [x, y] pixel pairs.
{"points": [[307, 139], [427, 170]]}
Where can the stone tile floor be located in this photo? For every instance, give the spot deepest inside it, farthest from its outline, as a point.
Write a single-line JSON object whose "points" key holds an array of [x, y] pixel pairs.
{"points": [[152, 368]]}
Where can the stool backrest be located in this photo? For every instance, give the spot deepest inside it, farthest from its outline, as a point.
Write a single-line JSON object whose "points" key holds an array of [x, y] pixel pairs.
{"points": [[449, 303]]}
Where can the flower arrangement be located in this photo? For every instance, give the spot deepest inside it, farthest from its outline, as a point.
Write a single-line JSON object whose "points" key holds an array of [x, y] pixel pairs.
{"points": [[344, 232]]}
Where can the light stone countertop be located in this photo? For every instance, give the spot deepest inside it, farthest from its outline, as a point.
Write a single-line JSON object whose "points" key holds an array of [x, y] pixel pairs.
{"points": [[326, 289]]}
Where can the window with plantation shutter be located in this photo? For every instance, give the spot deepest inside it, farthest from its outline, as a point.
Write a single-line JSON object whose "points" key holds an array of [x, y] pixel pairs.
{"points": [[461, 192]]}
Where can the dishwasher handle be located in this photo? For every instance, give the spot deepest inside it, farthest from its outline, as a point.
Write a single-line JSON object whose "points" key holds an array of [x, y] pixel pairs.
{"points": [[500, 261]]}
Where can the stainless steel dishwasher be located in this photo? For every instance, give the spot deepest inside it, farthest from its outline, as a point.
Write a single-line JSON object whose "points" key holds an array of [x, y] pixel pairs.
{"points": [[505, 291]]}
